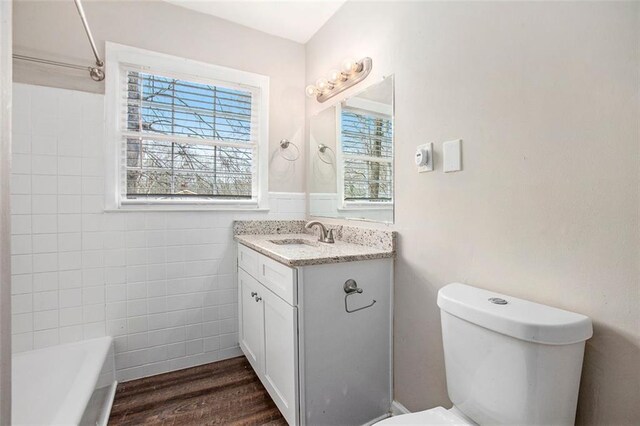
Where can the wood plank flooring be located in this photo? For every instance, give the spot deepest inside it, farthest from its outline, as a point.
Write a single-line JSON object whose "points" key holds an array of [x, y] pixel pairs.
{"points": [[221, 393]]}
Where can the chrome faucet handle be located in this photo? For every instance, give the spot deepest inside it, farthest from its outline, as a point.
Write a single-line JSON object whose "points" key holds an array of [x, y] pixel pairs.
{"points": [[329, 237]]}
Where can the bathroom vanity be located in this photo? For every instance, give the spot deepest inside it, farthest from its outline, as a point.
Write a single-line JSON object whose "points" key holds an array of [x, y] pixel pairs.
{"points": [[315, 319]]}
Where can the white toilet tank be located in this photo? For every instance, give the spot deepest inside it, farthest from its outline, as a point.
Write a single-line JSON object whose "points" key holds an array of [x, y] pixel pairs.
{"points": [[510, 361]]}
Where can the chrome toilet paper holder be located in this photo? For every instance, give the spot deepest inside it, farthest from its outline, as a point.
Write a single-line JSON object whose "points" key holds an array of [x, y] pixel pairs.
{"points": [[351, 288]]}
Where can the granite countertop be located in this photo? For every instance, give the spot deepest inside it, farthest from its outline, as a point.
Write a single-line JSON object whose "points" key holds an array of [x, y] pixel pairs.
{"points": [[309, 251]]}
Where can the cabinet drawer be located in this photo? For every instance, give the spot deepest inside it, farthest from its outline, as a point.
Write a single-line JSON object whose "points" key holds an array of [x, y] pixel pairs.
{"points": [[280, 279], [248, 260]]}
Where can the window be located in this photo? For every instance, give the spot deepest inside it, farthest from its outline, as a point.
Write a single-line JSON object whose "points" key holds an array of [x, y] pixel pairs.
{"points": [[366, 139], [185, 133]]}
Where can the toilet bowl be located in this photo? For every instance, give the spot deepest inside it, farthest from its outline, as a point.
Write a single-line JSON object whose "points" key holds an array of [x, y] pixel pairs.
{"points": [[508, 361], [434, 416]]}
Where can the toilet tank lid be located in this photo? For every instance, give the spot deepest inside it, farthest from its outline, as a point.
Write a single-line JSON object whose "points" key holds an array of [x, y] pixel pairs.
{"points": [[517, 318]]}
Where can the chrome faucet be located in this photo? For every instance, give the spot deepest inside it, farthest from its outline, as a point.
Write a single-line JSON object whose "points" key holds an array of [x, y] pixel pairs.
{"points": [[326, 236]]}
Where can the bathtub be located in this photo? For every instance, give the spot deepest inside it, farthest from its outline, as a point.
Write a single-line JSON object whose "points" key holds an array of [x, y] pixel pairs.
{"points": [[71, 384]]}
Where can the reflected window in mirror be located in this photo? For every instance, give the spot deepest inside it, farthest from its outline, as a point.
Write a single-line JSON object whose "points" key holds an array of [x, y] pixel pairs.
{"points": [[366, 145]]}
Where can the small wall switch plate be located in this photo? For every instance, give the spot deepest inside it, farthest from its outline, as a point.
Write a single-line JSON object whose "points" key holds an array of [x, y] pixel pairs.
{"points": [[424, 157], [452, 156]]}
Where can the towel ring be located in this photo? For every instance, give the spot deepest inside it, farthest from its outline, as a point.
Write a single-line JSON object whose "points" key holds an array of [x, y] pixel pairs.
{"points": [[284, 144], [322, 148]]}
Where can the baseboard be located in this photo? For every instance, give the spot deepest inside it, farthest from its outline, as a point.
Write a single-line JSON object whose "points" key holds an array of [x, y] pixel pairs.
{"points": [[397, 408]]}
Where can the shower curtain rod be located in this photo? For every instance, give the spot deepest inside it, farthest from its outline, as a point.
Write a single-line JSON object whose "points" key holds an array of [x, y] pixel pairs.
{"points": [[96, 72]]}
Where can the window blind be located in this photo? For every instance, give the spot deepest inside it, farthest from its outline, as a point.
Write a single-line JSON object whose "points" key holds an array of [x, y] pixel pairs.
{"points": [[186, 140], [367, 152]]}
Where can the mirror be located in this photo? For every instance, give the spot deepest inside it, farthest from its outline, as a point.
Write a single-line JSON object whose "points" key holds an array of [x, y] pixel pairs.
{"points": [[351, 157]]}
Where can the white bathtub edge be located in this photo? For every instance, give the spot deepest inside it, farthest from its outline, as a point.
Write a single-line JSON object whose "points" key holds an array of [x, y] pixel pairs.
{"points": [[60, 381], [106, 410], [90, 378]]}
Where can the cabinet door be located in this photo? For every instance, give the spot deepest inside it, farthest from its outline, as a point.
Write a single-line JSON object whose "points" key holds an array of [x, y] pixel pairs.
{"points": [[251, 319], [281, 355]]}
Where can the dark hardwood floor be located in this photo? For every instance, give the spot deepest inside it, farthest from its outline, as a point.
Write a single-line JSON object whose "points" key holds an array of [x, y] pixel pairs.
{"points": [[222, 393]]}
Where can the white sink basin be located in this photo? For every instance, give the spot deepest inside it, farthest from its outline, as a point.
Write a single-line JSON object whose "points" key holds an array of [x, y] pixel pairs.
{"points": [[292, 242]]}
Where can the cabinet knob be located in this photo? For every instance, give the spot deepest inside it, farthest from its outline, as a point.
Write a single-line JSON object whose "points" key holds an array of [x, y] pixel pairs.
{"points": [[254, 294], [258, 298]]}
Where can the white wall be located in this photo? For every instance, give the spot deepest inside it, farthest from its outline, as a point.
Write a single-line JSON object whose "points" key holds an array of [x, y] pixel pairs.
{"points": [[163, 27], [161, 283], [546, 98], [5, 225]]}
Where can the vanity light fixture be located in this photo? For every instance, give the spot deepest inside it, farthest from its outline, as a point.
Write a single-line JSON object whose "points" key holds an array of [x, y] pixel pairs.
{"points": [[352, 72]]}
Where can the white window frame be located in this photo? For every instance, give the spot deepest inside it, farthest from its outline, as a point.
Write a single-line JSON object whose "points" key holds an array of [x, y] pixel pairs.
{"points": [[343, 205], [118, 55]]}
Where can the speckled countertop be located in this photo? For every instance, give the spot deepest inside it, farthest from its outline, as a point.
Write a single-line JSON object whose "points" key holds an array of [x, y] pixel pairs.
{"points": [[352, 242], [312, 252]]}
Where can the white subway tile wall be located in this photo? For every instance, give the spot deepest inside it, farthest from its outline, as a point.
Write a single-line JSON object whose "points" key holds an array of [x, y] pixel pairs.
{"points": [[161, 283]]}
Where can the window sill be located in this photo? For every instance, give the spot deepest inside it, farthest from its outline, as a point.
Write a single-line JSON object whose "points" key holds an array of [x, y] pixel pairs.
{"points": [[160, 207], [357, 207]]}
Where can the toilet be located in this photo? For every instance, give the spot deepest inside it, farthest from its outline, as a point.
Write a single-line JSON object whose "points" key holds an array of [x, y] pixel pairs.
{"points": [[508, 361]]}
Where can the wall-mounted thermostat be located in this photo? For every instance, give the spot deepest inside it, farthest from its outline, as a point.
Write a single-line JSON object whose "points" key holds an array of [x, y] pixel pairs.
{"points": [[424, 157]]}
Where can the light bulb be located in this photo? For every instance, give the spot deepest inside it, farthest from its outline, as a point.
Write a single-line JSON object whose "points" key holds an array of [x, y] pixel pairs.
{"points": [[311, 90], [335, 76], [349, 66], [322, 84]]}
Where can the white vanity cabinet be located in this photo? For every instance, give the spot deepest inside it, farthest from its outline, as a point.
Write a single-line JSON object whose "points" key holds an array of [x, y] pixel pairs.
{"points": [[320, 363], [269, 338]]}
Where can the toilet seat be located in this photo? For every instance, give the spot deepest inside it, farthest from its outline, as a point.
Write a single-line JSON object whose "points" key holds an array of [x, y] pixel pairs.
{"points": [[434, 416]]}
